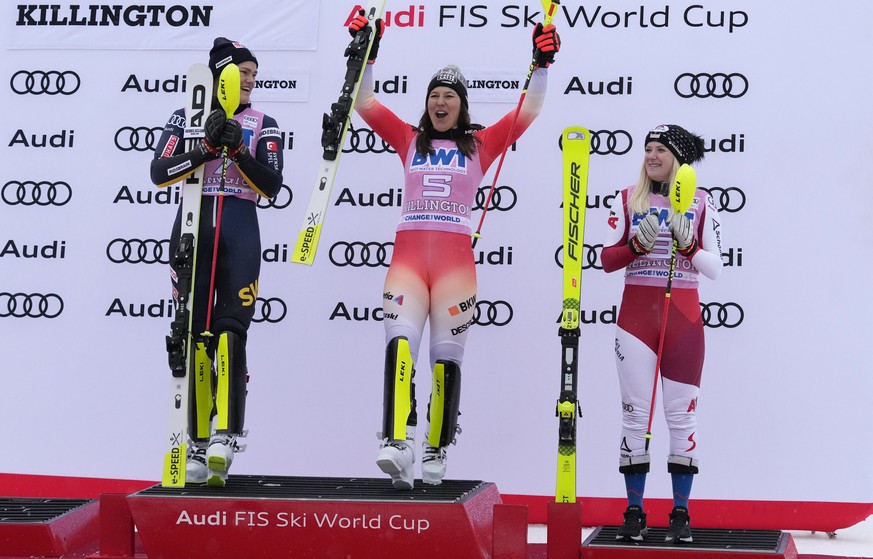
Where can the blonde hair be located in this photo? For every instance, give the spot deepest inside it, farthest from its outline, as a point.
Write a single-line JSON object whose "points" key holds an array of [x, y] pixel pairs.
{"points": [[639, 201]]}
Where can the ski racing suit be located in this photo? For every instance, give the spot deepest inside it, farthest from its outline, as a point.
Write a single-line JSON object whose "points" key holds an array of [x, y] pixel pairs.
{"points": [[639, 327], [238, 263], [432, 275]]}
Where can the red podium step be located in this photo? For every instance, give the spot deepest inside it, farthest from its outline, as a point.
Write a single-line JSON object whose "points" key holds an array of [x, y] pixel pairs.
{"points": [[304, 517], [37, 527]]}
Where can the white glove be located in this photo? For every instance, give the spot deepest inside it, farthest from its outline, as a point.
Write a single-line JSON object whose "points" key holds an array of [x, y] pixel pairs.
{"points": [[680, 226], [644, 241]]}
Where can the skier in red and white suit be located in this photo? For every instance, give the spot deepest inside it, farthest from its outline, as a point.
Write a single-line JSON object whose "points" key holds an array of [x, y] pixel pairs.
{"points": [[639, 239], [432, 275]]}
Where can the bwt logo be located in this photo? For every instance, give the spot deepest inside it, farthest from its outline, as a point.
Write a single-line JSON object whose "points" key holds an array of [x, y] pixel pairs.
{"points": [[717, 85], [38, 82]]}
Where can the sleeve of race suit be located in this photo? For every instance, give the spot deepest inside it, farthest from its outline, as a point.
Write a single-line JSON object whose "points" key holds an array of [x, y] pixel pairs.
{"points": [[385, 123], [708, 260], [171, 162], [494, 137], [616, 253], [263, 171]]}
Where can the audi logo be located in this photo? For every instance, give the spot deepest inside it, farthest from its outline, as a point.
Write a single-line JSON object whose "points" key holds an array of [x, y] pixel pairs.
{"points": [[721, 315], [503, 199], [141, 138], [138, 251], [492, 313], [38, 82], [281, 200], [33, 193], [269, 310], [357, 254], [616, 142], [30, 305], [730, 199], [590, 257], [364, 140], [718, 85]]}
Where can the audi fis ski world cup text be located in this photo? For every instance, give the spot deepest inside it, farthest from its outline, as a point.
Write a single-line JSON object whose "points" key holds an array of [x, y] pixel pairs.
{"points": [[306, 519], [590, 16]]}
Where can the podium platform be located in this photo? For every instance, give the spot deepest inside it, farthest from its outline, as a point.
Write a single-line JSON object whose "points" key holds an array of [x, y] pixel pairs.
{"points": [[707, 544], [306, 517], [36, 527]]}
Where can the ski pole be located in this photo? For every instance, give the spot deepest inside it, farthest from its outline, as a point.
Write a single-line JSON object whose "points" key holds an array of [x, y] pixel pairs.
{"points": [[681, 197], [551, 7], [228, 96]]}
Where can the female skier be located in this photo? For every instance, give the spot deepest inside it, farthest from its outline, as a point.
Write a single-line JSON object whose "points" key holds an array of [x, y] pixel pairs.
{"points": [[254, 169], [432, 275], [639, 240]]}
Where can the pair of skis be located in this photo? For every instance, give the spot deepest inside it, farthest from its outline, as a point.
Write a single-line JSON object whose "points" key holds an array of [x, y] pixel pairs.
{"points": [[182, 344]]}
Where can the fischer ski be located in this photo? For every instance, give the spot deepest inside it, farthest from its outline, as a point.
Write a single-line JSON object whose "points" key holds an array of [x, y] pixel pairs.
{"points": [[334, 127], [575, 142], [180, 342]]}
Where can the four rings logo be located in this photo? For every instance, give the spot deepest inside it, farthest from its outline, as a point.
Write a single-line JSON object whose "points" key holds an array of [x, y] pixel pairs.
{"points": [[616, 142], [138, 251], [281, 201], [30, 305], [269, 310], [357, 254], [730, 199], [364, 140], [141, 138], [503, 198], [33, 193], [37, 82], [492, 313], [590, 257], [721, 315], [716, 85]]}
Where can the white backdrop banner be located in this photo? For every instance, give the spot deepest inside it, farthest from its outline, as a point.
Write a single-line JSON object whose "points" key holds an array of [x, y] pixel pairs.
{"points": [[160, 25], [85, 298]]}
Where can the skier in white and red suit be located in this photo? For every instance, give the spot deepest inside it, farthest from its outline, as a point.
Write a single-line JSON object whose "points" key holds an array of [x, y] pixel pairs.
{"points": [[432, 275], [639, 240]]}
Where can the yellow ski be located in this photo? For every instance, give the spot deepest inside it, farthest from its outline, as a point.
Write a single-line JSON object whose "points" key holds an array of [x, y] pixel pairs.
{"points": [[575, 143]]}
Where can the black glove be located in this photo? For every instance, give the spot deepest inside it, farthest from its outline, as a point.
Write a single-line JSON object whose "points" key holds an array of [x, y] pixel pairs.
{"points": [[359, 23], [232, 138], [546, 43], [214, 127]]}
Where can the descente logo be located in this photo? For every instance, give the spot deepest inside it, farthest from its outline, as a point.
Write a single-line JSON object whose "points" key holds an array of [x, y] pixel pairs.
{"points": [[138, 15]]}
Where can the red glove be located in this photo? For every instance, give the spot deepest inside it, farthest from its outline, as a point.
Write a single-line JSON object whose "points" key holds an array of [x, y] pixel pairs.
{"points": [[361, 22], [546, 43]]}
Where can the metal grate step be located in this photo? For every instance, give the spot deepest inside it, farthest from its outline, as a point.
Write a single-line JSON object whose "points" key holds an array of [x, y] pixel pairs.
{"points": [[704, 539], [36, 511], [323, 488]]}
